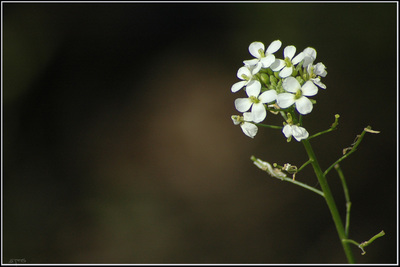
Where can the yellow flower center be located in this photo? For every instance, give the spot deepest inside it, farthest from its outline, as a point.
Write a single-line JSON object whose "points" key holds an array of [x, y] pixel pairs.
{"points": [[298, 94], [254, 99], [245, 77], [288, 62]]}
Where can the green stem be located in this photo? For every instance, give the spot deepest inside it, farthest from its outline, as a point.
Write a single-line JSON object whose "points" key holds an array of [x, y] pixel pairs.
{"points": [[329, 201], [305, 164], [347, 197], [365, 243], [333, 127], [319, 192], [269, 126]]}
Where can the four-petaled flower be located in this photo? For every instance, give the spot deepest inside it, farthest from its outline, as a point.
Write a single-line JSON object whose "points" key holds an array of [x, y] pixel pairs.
{"points": [[299, 133], [256, 102], [263, 59], [297, 95], [245, 73], [285, 67]]}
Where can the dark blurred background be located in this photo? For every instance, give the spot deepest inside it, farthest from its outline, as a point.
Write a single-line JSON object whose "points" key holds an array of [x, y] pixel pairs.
{"points": [[119, 146]]}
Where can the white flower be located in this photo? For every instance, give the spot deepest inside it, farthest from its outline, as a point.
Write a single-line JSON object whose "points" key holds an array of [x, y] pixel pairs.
{"points": [[286, 66], [245, 74], [297, 95], [314, 71], [248, 128], [310, 54], [255, 101], [263, 59], [299, 133]]}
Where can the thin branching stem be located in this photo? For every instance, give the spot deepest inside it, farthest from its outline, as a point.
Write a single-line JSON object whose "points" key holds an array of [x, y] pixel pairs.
{"points": [[269, 126], [333, 127], [365, 243], [315, 190], [352, 149], [305, 164]]}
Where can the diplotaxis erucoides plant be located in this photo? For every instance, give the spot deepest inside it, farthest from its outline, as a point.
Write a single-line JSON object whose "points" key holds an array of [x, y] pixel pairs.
{"points": [[285, 87]]}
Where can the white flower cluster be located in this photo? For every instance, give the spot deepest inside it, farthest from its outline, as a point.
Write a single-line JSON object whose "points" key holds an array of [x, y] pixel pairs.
{"points": [[278, 83]]}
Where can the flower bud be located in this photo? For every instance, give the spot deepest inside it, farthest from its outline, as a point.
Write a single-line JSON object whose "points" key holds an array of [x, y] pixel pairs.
{"points": [[300, 80], [264, 78], [273, 79], [269, 71]]}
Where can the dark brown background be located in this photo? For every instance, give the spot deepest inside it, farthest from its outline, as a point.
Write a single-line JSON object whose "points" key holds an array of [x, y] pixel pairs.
{"points": [[119, 147]]}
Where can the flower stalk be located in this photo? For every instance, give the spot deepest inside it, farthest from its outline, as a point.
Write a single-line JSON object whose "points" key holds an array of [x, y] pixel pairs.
{"points": [[329, 201]]}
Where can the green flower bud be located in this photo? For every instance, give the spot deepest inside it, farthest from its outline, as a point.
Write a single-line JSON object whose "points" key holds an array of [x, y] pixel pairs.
{"points": [[300, 80], [289, 119], [264, 78], [273, 80]]}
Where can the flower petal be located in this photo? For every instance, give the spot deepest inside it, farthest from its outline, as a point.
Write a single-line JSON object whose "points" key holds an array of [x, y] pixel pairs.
{"points": [[320, 69], [290, 84], [285, 100], [256, 68], [310, 54], [287, 130], [243, 71], [255, 47], [277, 65], [248, 116], [249, 129], [259, 113], [253, 88], [267, 96], [304, 105], [274, 46], [318, 82], [267, 61], [286, 72], [309, 89], [298, 58], [289, 51], [251, 62], [237, 86], [299, 133], [243, 104]]}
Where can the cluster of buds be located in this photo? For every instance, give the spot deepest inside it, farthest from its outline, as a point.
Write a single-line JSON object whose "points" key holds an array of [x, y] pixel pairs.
{"points": [[279, 86]]}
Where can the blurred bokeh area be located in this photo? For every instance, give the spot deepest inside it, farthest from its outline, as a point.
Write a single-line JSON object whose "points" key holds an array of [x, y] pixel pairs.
{"points": [[118, 143]]}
